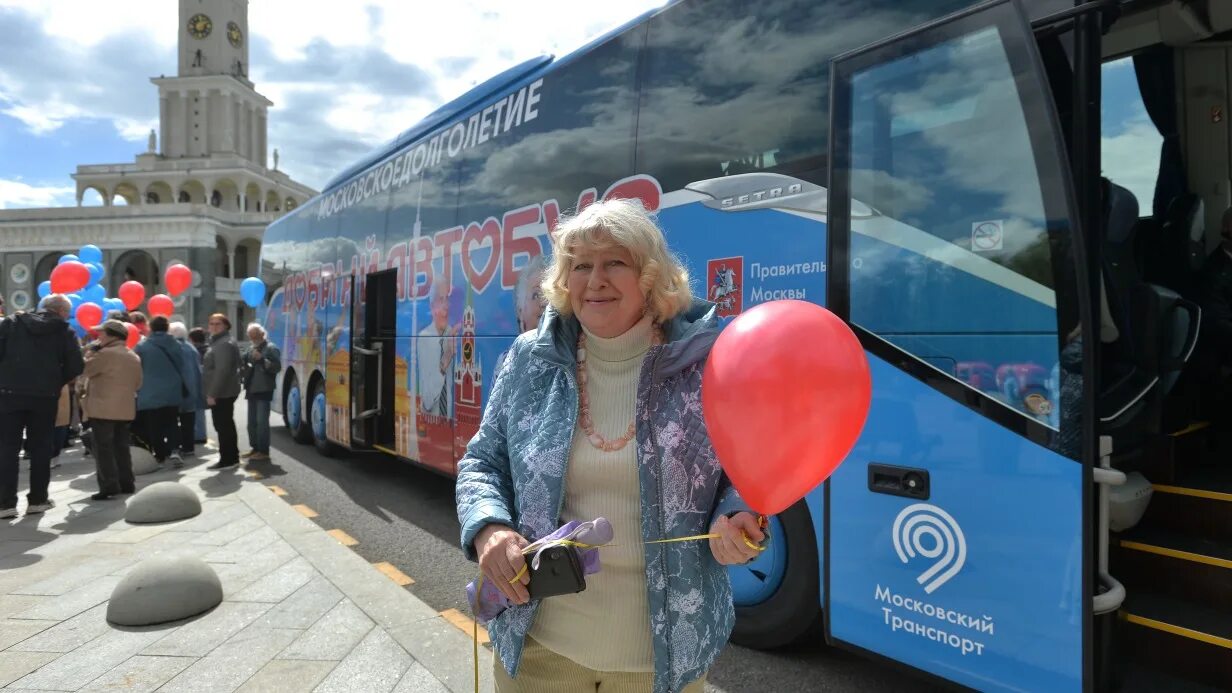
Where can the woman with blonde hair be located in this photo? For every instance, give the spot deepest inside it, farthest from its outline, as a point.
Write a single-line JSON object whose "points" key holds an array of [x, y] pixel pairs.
{"points": [[597, 413]]}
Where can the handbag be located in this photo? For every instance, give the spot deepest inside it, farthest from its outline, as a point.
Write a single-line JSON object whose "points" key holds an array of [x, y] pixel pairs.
{"points": [[559, 572]]}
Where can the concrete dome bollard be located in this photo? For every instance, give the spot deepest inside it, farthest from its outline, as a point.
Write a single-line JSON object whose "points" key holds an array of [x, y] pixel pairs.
{"points": [[165, 501], [143, 461], [164, 589]]}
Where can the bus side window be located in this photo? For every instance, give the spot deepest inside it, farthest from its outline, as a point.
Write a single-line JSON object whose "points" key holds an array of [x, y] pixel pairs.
{"points": [[956, 268]]}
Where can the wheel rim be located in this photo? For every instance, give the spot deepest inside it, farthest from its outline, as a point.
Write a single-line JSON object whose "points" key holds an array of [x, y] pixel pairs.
{"points": [[754, 583], [318, 416], [294, 407]]}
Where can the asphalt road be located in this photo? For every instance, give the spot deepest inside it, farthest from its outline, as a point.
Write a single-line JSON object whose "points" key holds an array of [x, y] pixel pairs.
{"points": [[405, 515]]}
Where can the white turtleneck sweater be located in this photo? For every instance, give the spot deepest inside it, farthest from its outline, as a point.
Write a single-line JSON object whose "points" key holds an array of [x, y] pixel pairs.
{"points": [[606, 627]]}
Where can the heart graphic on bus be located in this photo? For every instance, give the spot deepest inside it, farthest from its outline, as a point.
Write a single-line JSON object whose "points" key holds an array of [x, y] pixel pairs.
{"points": [[929, 532]]}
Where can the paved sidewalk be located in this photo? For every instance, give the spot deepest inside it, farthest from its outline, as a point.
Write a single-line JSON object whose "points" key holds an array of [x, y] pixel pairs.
{"points": [[301, 611]]}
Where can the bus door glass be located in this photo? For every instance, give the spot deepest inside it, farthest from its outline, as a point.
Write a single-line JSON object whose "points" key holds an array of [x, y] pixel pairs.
{"points": [[372, 358], [955, 528]]}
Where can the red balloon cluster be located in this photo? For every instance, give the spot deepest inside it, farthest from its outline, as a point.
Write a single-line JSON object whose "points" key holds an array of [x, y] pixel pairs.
{"points": [[132, 293], [177, 278], [134, 335], [785, 394], [68, 277], [161, 304]]}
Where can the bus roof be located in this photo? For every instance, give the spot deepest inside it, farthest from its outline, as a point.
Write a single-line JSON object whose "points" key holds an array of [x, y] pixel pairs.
{"points": [[474, 96]]}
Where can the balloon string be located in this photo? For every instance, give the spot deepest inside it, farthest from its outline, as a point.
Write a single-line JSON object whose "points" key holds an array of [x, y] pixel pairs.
{"points": [[579, 545], [475, 634]]}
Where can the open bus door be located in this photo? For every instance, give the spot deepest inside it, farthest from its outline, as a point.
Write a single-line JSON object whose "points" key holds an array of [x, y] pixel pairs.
{"points": [[958, 532], [373, 328]]}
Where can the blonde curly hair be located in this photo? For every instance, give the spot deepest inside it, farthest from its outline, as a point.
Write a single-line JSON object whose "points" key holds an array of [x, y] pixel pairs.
{"points": [[619, 223]]}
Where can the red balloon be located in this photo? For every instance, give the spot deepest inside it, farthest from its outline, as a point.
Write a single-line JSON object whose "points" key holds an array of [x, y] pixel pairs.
{"points": [[89, 315], [134, 335], [69, 277], [161, 304], [178, 278], [785, 394], [132, 293]]}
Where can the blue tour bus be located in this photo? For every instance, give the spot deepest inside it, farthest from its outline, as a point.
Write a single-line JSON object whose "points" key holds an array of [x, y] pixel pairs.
{"points": [[929, 170]]}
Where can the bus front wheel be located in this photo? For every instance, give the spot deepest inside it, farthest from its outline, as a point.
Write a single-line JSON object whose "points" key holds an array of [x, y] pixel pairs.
{"points": [[295, 412], [792, 608], [316, 419]]}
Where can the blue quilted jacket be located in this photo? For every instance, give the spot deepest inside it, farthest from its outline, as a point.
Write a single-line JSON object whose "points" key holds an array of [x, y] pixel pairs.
{"points": [[514, 470]]}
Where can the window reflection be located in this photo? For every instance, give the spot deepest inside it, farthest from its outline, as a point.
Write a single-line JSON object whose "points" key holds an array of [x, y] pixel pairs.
{"points": [[733, 87], [958, 269]]}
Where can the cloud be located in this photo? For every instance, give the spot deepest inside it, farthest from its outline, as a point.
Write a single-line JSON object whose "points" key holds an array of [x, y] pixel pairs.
{"points": [[46, 81], [15, 194], [365, 67], [343, 81], [1131, 159]]}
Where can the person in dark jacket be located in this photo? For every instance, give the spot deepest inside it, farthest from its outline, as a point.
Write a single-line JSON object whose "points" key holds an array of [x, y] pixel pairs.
{"points": [[194, 401], [39, 355], [196, 337], [261, 365], [1216, 281], [164, 386], [1213, 359], [221, 379]]}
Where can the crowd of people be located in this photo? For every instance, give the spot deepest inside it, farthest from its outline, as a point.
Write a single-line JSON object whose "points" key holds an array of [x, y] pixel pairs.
{"points": [[153, 396]]}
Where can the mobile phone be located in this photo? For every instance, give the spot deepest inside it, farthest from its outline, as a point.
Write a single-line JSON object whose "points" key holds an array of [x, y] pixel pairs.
{"points": [[559, 572]]}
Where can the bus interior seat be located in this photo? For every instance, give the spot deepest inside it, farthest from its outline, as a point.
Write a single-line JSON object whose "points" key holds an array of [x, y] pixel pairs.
{"points": [[1157, 330], [1183, 244]]}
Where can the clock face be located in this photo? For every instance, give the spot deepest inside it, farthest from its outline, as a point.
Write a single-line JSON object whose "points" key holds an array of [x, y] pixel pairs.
{"points": [[234, 35], [200, 26], [19, 273]]}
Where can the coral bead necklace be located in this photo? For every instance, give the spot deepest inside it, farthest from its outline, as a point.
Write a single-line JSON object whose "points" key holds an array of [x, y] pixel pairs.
{"points": [[588, 425]]}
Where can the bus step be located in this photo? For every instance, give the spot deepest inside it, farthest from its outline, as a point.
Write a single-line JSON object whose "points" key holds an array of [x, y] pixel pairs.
{"points": [[1141, 679], [1180, 637], [1165, 562], [1165, 458], [1199, 504]]}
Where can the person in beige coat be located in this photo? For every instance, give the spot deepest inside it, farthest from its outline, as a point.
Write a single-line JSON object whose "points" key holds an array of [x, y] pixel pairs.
{"points": [[64, 417], [113, 376]]}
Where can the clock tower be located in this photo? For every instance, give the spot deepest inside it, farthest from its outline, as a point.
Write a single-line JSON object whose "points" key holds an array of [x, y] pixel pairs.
{"points": [[211, 108], [214, 37]]}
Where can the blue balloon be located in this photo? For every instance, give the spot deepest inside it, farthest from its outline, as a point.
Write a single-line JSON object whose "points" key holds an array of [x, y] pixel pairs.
{"points": [[81, 331], [44, 289], [68, 257], [96, 272], [253, 291], [112, 305], [94, 294], [74, 300], [90, 253]]}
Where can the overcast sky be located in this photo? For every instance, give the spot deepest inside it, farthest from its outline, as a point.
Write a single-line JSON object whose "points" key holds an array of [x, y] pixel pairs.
{"points": [[75, 89]]}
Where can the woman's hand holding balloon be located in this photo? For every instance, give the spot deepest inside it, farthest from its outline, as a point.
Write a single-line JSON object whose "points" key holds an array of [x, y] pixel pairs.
{"points": [[730, 547], [500, 558]]}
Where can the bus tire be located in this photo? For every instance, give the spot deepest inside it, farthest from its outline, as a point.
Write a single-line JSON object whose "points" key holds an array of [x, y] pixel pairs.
{"points": [[316, 419], [294, 413], [793, 611]]}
